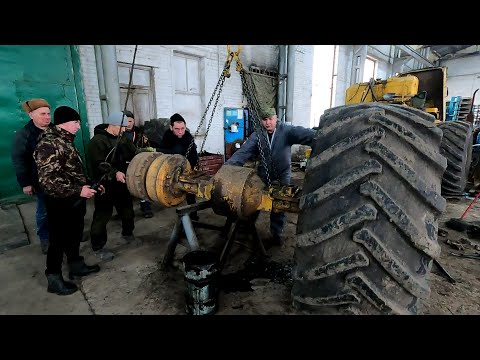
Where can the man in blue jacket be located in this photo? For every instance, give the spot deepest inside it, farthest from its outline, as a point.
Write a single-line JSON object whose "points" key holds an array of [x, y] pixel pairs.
{"points": [[277, 138]]}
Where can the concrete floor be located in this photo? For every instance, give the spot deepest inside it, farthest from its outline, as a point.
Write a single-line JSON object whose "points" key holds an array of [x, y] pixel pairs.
{"points": [[24, 283], [132, 283]]}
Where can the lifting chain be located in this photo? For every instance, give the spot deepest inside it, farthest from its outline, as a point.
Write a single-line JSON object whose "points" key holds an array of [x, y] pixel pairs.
{"points": [[252, 104], [231, 55]]}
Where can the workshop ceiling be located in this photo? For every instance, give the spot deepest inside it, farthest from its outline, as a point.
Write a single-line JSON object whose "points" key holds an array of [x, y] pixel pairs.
{"points": [[443, 50]]}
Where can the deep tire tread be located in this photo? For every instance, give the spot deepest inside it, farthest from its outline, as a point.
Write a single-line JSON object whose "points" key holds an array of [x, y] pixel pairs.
{"points": [[457, 148], [367, 229]]}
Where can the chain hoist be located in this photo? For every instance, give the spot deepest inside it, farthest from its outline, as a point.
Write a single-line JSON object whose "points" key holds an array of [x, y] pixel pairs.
{"points": [[252, 104], [231, 55]]}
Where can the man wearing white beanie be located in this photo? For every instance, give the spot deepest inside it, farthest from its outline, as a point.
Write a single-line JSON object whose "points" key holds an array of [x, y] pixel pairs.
{"points": [[100, 150]]}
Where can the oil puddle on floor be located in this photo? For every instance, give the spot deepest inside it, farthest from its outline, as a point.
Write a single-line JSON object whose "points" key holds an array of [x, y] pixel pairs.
{"points": [[256, 267]]}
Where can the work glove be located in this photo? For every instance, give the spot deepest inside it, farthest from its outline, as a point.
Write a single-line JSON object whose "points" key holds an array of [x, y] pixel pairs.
{"points": [[145, 149]]}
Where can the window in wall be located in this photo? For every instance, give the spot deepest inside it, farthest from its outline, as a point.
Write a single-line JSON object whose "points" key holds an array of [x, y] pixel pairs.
{"points": [[141, 100], [370, 69], [187, 74]]}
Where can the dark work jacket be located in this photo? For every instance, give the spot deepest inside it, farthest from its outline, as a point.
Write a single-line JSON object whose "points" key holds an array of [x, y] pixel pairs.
{"points": [[23, 145], [172, 144], [137, 136], [101, 145], [282, 140]]}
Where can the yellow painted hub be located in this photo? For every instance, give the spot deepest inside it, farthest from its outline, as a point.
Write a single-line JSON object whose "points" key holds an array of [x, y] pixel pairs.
{"points": [[162, 179], [137, 173], [236, 191]]}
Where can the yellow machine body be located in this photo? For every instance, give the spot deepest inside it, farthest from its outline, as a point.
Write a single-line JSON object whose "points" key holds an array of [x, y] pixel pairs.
{"points": [[402, 88]]}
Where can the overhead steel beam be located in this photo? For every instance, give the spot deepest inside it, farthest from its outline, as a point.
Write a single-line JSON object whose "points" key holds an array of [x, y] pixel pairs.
{"points": [[415, 55]]}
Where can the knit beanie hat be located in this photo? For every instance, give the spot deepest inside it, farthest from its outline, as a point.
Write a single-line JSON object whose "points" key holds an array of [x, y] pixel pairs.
{"points": [[128, 113], [65, 114], [115, 118], [34, 104], [176, 117]]}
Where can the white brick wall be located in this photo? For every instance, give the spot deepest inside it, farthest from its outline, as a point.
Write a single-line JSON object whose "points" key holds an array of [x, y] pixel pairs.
{"points": [[159, 57]]}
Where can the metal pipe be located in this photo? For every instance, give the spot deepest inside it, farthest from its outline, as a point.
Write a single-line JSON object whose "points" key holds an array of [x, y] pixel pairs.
{"points": [[290, 81], [391, 60], [333, 73], [101, 82], [110, 74], [427, 53], [282, 65], [190, 232]]}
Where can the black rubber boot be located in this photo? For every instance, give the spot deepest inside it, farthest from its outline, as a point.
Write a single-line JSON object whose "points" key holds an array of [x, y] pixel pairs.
{"points": [[194, 216], [79, 269], [57, 285], [146, 208], [277, 240], [44, 247]]}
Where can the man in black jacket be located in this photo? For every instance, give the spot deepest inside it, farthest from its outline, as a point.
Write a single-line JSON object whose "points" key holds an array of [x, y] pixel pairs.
{"points": [[176, 140], [135, 133], [22, 157], [104, 147]]}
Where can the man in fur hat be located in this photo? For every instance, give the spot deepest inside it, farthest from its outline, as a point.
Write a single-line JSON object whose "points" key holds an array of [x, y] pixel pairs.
{"points": [[23, 145]]}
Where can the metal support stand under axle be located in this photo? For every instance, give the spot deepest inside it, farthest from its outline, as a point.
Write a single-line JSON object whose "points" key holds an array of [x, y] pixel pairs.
{"points": [[185, 222]]}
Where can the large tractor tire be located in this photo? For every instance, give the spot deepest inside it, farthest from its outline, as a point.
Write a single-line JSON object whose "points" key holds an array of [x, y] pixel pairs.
{"points": [[457, 148], [367, 228], [474, 173]]}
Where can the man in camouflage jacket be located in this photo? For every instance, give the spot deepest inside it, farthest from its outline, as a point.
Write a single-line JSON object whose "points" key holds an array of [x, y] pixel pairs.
{"points": [[61, 178]]}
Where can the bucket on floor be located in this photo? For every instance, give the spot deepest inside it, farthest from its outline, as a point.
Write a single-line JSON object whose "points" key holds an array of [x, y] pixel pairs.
{"points": [[200, 273]]}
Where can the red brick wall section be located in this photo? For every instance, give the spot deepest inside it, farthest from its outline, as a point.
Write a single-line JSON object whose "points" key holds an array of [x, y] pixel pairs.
{"points": [[210, 163]]}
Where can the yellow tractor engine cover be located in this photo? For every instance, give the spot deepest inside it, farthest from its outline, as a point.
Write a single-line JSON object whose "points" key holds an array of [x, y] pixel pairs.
{"points": [[395, 89]]}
